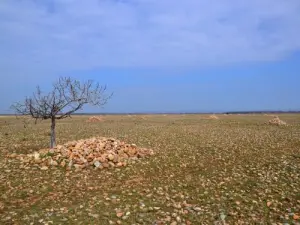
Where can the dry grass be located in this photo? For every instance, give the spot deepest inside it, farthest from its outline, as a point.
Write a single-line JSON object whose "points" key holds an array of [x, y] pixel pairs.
{"points": [[237, 169]]}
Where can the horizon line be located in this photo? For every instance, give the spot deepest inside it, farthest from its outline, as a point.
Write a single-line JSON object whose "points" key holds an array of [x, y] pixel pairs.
{"points": [[195, 112]]}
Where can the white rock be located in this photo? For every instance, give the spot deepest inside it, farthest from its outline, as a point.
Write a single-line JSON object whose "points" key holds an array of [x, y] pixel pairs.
{"points": [[97, 164], [36, 156], [44, 168]]}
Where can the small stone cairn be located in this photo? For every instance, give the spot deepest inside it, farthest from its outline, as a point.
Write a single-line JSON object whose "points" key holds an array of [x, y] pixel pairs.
{"points": [[213, 117], [97, 153], [94, 119], [277, 121]]}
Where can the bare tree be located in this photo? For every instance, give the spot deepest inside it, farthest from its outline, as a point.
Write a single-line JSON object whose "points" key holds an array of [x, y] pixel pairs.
{"points": [[67, 96]]}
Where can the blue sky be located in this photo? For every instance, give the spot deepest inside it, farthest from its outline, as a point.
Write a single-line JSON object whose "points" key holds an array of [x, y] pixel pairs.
{"points": [[158, 56]]}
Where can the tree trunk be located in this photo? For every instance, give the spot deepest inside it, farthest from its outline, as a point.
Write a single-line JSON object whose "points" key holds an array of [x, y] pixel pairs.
{"points": [[53, 137]]}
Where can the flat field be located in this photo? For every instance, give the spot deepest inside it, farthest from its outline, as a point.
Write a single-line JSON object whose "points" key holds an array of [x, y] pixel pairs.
{"points": [[231, 170]]}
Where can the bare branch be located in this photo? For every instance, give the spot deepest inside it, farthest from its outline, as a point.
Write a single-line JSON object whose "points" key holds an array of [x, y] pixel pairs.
{"points": [[67, 97]]}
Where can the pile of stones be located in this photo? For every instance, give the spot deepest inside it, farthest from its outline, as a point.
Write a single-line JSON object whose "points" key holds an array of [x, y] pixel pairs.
{"points": [[95, 119], [97, 153], [277, 121], [213, 117]]}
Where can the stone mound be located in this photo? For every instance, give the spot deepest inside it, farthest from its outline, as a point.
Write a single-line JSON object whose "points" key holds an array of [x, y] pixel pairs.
{"points": [[213, 117], [277, 121], [95, 119], [98, 152]]}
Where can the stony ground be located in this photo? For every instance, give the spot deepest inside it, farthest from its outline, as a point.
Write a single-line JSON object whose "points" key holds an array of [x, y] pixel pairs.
{"points": [[234, 170]]}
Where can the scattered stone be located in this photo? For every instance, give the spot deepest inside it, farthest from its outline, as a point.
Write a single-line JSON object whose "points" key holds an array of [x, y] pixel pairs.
{"points": [[96, 216], [78, 166], [222, 216], [177, 206], [97, 164], [110, 157], [13, 155], [197, 209], [53, 162], [119, 164], [120, 214], [44, 168], [124, 217], [63, 164], [168, 218], [1, 206]]}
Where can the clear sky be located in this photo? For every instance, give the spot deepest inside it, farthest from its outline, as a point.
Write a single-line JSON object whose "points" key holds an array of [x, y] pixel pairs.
{"points": [[156, 55]]}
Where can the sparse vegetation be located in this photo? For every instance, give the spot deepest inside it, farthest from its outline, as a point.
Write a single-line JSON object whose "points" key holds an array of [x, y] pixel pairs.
{"points": [[235, 170]]}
